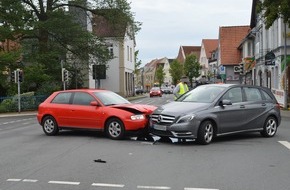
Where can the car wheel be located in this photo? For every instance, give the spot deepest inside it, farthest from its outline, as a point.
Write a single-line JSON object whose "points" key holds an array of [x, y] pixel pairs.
{"points": [[270, 127], [115, 129], [49, 126], [205, 133]]}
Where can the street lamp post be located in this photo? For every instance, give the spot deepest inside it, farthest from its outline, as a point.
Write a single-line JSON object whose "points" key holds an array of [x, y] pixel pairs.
{"points": [[285, 69]]}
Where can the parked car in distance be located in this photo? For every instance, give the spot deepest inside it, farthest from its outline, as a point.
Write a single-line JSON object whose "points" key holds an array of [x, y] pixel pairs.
{"points": [[155, 91], [217, 109], [139, 91], [93, 109], [166, 90]]}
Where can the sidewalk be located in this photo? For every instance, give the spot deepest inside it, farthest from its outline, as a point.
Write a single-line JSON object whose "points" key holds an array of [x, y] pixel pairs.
{"points": [[285, 113]]}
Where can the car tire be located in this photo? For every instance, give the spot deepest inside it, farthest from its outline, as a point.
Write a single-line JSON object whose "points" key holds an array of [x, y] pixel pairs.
{"points": [[115, 129], [270, 127], [50, 126], [205, 133]]}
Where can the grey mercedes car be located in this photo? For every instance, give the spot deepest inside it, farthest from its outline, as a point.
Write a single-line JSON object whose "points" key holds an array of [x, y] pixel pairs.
{"points": [[217, 109]]}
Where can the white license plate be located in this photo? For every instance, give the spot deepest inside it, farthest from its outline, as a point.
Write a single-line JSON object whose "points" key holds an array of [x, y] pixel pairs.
{"points": [[159, 127]]}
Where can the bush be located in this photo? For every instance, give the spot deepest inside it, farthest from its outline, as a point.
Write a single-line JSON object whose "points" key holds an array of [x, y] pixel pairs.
{"points": [[28, 102], [8, 105]]}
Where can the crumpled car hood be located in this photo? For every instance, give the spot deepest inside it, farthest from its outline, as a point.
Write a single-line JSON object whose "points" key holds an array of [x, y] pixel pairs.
{"points": [[136, 108]]}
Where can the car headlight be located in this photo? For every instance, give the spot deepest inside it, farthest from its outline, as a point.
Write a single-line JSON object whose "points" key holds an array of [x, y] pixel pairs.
{"points": [[137, 117], [185, 119]]}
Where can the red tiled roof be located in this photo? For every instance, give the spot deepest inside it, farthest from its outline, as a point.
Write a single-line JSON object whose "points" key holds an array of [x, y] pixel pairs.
{"points": [[187, 50], [229, 39], [192, 50], [210, 45], [103, 28]]}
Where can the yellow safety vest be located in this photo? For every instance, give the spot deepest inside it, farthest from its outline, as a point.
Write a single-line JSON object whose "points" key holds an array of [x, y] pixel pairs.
{"points": [[182, 89]]}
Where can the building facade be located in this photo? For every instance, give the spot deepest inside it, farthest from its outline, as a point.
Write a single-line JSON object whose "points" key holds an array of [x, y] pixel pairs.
{"points": [[229, 55], [208, 46], [271, 56]]}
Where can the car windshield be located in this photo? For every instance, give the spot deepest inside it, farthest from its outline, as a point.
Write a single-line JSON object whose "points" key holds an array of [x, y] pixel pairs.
{"points": [[202, 94], [155, 89], [111, 98]]}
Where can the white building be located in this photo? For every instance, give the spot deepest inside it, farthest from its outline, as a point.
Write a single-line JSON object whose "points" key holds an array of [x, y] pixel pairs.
{"points": [[120, 70], [270, 46]]}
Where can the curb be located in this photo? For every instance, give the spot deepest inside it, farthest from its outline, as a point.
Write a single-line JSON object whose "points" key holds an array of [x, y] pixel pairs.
{"points": [[13, 114]]}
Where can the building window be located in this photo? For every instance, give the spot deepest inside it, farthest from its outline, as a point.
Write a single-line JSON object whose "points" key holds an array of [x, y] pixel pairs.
{"points": [[111, 50], [128, 53]]}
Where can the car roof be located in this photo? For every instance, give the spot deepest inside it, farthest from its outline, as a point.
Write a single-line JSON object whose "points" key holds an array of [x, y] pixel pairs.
{"points": [[230, 85], [90, 90]]}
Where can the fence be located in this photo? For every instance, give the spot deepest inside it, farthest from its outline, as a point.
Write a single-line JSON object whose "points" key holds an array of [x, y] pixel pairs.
{"points": [[27, 103]]}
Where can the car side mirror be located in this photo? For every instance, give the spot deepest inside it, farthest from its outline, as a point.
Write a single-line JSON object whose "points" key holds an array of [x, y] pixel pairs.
{"points": [[225, 102], [94, 103]]}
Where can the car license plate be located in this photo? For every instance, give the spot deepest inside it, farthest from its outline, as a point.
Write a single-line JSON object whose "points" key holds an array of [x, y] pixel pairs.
{"points": [[159, 127]]}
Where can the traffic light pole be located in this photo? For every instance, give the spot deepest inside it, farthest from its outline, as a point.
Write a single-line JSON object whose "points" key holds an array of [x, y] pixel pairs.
{"points": [[18, 87], [19, 105]]}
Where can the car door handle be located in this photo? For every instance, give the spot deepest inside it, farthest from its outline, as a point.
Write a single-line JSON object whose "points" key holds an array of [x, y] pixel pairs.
{"points": [[242, 106], [263, 104]]}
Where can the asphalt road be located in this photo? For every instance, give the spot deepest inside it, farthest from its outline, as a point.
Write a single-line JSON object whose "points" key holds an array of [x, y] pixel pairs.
{"points": [[30, 160]]}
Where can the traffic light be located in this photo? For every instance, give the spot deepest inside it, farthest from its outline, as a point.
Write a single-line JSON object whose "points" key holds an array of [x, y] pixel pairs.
{"points": [[20, 75], [13, 76], [241, 66], [65, 75]]}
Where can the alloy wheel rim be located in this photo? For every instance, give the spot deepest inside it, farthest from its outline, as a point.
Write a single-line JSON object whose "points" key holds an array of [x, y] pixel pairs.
{"points": [[271, 127], [114, 129], [48, 126], [208, 133]]}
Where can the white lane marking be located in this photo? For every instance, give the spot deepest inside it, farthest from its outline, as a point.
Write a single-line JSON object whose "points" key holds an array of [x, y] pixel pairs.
{"points": [[65, 182], [189, 188], [13, 180], [285, 143], [16, 121], [152, 187], [30, 180], [107, 185], [137, 102]]}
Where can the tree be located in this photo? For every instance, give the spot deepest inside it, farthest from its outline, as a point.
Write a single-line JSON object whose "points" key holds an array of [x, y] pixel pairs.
{"points": [[272, 10], [191, 67], [9, 61], [137, 62], [49, 32], [160, 75], [176, 71]]}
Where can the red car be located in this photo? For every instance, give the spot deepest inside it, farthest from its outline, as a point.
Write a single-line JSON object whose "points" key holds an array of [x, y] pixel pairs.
{"points": [[101, 110], [155, 91]]}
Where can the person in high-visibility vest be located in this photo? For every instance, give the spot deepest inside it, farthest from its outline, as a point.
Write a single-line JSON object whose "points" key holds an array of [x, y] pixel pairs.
{"points": [[180, 88]]}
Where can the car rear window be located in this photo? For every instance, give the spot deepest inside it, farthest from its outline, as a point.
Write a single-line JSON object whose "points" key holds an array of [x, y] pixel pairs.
{"points": [[266, 95], [62, 98]]}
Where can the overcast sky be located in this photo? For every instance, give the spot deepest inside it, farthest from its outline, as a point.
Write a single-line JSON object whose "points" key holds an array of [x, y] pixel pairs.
{"points": [[169, 24]]}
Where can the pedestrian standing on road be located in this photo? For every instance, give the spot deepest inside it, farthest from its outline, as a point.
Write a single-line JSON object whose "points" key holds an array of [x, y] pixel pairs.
{"points": [[181, 87]]}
